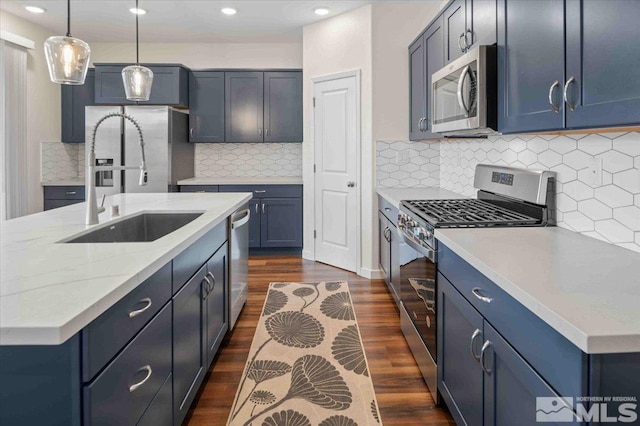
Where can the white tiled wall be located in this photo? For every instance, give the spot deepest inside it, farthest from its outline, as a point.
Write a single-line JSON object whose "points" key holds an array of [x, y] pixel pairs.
{"points": [[419, 167], [61, 161], [248, 159], [610, 212]]}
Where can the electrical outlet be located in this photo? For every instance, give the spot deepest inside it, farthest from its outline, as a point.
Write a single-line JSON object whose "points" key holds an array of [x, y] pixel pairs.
{"points": [[594, 172]]}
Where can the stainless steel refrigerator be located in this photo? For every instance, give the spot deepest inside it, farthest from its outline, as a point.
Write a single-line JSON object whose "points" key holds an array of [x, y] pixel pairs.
{"points": [[169, 155]]}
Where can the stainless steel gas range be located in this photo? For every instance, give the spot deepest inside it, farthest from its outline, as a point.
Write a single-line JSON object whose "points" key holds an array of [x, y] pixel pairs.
{"points": [[506, 197]]}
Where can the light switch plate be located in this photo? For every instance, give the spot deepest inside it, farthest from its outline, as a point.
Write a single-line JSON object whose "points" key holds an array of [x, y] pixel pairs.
{"points": [[594, 175]]}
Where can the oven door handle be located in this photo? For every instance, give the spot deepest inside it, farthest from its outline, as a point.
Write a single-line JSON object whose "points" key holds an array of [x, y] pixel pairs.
{"points": [[431, 254]]}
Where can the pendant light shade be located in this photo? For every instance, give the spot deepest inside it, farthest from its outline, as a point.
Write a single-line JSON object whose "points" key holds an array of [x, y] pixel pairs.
{"points": [[67, 57], [136, 78]]}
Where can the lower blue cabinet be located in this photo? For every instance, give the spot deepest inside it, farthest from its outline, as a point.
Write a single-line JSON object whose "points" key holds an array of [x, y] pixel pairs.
{"points": [[215, 302], [121, 393], [160, 412], [281, 222], [189, 368]]}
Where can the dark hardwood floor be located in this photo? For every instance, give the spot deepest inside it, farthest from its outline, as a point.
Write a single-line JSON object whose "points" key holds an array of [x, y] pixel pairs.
{"points": [[402, 395]]}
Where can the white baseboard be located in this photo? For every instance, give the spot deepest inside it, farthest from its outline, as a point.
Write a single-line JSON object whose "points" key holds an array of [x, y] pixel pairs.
{"points": [[308, 255], [372, 274]]}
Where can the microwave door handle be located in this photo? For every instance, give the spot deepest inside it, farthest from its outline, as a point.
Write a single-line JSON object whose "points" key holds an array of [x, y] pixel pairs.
{"points": [[463, 76]]}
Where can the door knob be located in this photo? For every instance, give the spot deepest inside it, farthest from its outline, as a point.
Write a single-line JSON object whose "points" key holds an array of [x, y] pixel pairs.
{"points": [[351, 184]]}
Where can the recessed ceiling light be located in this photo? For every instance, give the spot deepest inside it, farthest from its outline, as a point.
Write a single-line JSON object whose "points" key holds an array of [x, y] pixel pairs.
{"points": [[321, 11], [228, 11], [35, 9], [137, 11]]}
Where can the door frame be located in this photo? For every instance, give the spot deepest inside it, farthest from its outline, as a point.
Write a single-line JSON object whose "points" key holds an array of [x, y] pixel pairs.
{"points": [[320, 79]]}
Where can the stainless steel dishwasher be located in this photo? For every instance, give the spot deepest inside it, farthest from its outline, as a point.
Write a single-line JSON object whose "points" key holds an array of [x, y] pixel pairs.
{"points": [[239, 256]]}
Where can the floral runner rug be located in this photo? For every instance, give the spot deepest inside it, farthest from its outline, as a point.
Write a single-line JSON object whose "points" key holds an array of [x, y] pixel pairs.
{"points": [[306, 365]]}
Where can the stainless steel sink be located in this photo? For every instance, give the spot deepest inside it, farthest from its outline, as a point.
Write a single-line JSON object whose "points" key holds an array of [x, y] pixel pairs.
{"points": [[141, 228]]}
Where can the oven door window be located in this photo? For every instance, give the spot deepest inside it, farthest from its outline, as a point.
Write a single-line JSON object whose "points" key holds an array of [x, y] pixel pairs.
{"points": [[418, 295], [455, 96]]}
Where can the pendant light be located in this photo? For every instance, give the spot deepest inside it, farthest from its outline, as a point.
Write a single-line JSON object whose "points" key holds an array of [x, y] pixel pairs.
{"points": [[136, 78], [67, 57]]}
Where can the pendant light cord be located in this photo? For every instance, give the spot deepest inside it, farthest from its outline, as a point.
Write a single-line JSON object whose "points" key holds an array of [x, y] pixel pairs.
{"points": [[69, 18], [137, 47]]}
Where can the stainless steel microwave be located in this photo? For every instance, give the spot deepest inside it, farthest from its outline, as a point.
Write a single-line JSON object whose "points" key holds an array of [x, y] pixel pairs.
{"points": [[464, 95]]}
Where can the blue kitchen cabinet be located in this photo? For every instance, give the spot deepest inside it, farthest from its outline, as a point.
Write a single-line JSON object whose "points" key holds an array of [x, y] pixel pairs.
{"points": [[455, 27], [531, 62], [216, 305], [244, 106], [434, 50], [418, 89], [170, 85], [189, 326], [206, 106], [61, 196], [283, 106], [281, 222], [73, 100], [602, 63], [460, 338], [481, 23]]}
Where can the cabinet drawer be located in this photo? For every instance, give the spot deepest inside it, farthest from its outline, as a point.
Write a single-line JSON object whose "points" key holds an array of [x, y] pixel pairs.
{"points": [[263, 191], [198, 188], [534, 339], [189, 261], [388, 209], [160, 411], [124, 390], [64, 192], [54, 204], [107, 334]]}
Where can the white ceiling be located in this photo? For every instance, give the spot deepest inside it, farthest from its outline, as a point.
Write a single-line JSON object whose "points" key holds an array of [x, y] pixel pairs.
{"points": [[182, 21]]}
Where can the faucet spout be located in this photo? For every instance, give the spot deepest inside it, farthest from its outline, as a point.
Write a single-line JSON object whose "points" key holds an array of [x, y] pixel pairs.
{"points": [[92, 204]]}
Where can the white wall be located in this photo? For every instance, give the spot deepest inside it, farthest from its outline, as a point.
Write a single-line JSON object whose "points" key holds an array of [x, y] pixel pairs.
{"points": [[394, 27], [338, 44], [204, 55], [43, 102]]}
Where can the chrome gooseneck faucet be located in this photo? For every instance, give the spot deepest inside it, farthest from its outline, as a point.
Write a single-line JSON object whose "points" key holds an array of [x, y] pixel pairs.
{"points": [[92, 204]]}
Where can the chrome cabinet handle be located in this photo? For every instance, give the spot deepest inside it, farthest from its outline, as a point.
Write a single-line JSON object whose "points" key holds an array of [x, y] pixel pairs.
{"points": [[206, 289], [351, 184], [551, 89], [260, 131], [257, 208], [191, 132], [477, 292], [421, 125], [262, 191], [462, 49], [213, 279], [263, 209], [571, 106], [71, 192], [134, 314], [485, 347], [473, 342], [146, 368], [465, 38], [266, 132], [387, 209], [387, 234]]}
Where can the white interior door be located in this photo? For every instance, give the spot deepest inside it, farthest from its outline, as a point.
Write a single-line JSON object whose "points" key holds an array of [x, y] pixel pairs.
{"points": [[336, 140]]}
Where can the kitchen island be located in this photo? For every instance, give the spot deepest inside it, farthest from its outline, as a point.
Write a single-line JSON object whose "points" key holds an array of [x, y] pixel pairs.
{"points": [[112, 333]]}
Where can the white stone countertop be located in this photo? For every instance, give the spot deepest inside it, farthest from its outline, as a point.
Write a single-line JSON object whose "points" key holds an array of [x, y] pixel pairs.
{"points": [[63, 182], [49, 291], [587, 290], [249, 180], [395, 195]]}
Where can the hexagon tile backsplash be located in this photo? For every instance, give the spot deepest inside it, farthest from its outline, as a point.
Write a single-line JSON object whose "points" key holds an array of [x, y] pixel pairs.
{"points": [[248, 159], [59, 161], [609, 212]]}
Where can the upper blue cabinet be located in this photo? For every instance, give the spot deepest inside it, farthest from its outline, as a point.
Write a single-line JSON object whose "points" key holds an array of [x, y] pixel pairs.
{"points": [[170, 85], [468, 23], [206, 106], [74, 99], [589, 84]]}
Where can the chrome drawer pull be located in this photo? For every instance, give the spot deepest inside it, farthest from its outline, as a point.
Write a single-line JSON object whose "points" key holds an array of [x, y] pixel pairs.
{"points": [[146, 300], [472, 344], [571, 106], [551, 89], [262, 191], [387, 209], [487, 345], [146, 368], [71, 192], [477, 292], [207, 288]]}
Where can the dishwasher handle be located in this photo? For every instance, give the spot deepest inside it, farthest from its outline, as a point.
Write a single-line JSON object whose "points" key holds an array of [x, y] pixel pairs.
{"points": [[237, 223]]}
